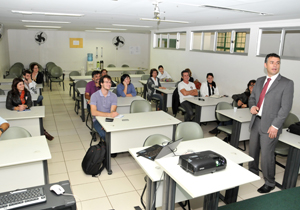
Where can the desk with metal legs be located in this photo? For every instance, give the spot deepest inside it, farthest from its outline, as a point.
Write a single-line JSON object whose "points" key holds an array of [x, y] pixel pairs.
{"points": [[154, 173], [167, 96], [132, 130], [163, 84]]}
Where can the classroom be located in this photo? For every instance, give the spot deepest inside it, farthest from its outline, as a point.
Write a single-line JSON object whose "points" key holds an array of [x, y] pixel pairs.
{"points": [[228, 39]]}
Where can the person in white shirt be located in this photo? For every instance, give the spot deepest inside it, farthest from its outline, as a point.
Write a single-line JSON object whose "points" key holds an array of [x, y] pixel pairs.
{"points": [[186, 89], [30, 85], [162, 74], [209, 87], [3, 125]]}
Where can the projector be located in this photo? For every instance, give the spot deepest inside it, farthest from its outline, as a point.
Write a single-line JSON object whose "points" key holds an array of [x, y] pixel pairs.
{"points": [[200, 163]]}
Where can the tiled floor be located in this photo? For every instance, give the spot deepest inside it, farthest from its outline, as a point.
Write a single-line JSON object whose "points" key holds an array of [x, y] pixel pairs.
{"points": [[122, 189]]}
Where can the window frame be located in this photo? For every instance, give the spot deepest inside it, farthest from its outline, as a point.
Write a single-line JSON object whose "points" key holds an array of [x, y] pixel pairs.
{"points": [[157, 40]]}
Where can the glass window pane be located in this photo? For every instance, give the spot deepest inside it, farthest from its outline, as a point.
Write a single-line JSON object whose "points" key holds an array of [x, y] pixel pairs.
{"points": [[197, 40], [182, 41], [270, 41], [291, 47], [172, 40], [208, 41]]}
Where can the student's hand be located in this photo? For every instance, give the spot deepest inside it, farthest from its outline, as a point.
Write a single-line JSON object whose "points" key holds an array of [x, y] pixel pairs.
{"points": [[88, 101], [244, 106], [114, 114], [240, 103], [272, 132], [206, 96], [124, 83], [22, 107], [254, 110], [162, 87], [29, 80]]}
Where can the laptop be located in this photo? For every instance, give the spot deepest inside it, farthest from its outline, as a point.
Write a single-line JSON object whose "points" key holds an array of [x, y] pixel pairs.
{"points": [[157, 151]]}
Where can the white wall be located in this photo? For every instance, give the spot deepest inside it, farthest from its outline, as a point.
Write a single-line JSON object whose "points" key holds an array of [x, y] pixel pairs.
{"points": [[4, 55], [23, 48], [232, 72]]}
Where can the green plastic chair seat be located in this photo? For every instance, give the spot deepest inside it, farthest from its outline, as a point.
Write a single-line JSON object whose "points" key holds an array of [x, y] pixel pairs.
{"points": [[56, 79], [15, 133], [145, 77], [138, 106], [226, 129], [139, 72], [282, 148], [188, 131], [156, 139]]}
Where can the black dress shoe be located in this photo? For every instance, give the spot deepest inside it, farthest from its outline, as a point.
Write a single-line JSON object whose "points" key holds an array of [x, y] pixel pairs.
{"points": [[265, 189], [214, 131]]}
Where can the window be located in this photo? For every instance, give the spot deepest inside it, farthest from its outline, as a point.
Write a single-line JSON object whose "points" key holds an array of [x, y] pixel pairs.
{"points": [[291, 47], [170, 40], [223, 41], [270, 41], [231, 41]]}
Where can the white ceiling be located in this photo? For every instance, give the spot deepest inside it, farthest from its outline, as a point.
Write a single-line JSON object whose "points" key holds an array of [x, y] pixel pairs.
{"points": [[104, 13]]}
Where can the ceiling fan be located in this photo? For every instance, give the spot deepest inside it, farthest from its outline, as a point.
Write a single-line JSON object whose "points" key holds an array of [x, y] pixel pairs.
{"points": [[157, 17]]}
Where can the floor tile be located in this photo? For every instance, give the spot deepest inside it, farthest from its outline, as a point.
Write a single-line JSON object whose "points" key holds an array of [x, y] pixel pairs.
{"points": [[125, 201], [74, 154], [54, 147], [96, 204], [71, 146], [79, 177], [88, 191], [56, 157], [117, 186], [137, 181], [73, 165], [57, 168], [69, 138], [124, 158], [58, 177], [117, 173], [131, 169]]}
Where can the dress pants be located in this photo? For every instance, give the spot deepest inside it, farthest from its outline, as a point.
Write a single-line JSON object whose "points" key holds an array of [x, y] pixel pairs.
{"points": [[159, 97], [188, 110], [261, 141]]}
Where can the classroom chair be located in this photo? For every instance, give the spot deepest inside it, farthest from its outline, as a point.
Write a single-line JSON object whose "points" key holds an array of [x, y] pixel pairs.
{"points": [[15, 133], [78, 84], [139, 72], [71, 84], [88, 73], [138, 106], [111, 65], [56, 73], [125, 66], [188, 131], [2, 92]]}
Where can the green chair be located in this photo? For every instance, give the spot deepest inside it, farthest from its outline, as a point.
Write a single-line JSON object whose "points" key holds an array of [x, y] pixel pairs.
{"points": [[156, 139], [49, 63], [16, 70], [125, 66], [2, 92], [56, 74], [188, 131], [125, 72], [11, 76], [145, 77], [88, 73], [115, 91], [111, 65], [139, 72], [282, 149], [71, 84], [138, 106], [48, 71], [15, 133], [78, 84]]}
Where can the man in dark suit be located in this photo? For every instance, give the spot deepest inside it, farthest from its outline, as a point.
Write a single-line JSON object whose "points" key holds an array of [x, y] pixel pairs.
{"points": [[270, 103]]}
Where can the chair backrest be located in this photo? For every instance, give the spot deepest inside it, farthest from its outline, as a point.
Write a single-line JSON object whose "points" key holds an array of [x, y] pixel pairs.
{"points": [[176, 84], [18, 64], [115, 91], [289, 120], [138, 106], [125, 66], [80, 84], [50, 63], [74, 73], [234, 103], [145, 77], [2, 92], [11, 76], [16, 71], [188, 131], [156, 139], [15, 133], [56, 72], [88, 73], [111, 65], [221, 106], [125, 72], [139, 72], [50, 67]]}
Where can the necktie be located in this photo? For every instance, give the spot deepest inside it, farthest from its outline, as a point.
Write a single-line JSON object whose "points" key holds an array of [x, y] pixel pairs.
{"points": [[263, 93]]}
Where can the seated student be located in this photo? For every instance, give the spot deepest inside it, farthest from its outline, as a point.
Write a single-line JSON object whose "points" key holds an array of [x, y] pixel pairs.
{"points": [[3, 125], [125, 88], [19, 99], [30, 85], [152, 83], [92, 87], [242, 99], [190, 74], [104, 72], [103, 103], [163, 75], [36, 76], [186, 89], [209, 87]]}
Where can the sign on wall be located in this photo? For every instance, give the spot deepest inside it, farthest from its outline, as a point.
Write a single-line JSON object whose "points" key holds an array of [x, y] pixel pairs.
{"points": [[76, 42]]}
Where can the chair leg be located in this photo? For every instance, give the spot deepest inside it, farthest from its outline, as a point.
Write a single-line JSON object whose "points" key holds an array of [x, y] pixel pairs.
{"points": [[70, 91], [63, 86], [50, 85], [244, 147]]}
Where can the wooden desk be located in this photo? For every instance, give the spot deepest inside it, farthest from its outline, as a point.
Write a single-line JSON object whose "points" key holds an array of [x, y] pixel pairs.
{"points": [[205, 110], [167, 96], [163, 84], [208, 185], [31, 120], [23, 163], [122, 135], [241, 121], [154, 173]]}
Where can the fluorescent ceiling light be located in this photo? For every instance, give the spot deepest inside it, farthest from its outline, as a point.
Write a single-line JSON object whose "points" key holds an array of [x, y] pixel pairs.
{"points": [[159, 20], [46, 13], [96, 31], [41, 21], [132, 26], [32, 26], [114, 29]]}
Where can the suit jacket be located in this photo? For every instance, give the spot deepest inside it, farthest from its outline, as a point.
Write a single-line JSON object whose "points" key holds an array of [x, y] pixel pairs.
{"points": [[277, 103], [13, 101]]}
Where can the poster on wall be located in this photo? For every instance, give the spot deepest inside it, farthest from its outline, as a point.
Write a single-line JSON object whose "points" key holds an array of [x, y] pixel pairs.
{"points": [[135, 50], [76, 42]]}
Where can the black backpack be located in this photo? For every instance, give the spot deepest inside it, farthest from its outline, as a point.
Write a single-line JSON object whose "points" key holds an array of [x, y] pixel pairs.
{"points": [[295, 128], [94, 160]]}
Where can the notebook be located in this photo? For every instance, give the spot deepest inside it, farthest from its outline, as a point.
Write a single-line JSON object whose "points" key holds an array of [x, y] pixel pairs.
{"points": [[157, 151]]}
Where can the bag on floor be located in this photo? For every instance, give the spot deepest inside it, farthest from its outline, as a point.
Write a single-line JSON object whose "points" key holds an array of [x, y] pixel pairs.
{"points": [[295, 128], [93, 162]]}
